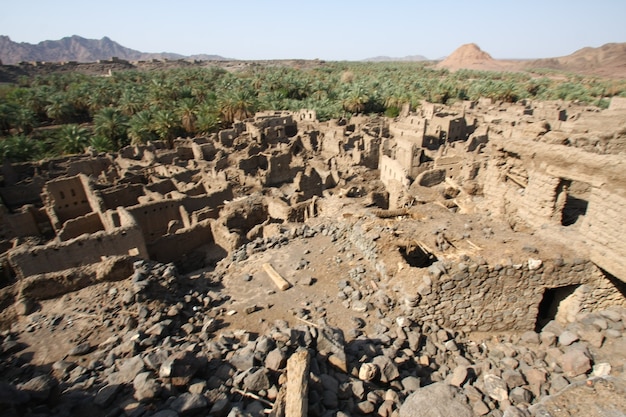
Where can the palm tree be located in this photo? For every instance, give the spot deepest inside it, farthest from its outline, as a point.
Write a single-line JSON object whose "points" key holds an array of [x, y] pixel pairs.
{"points": [[19, 148], [187, 113], [208, 119], [111, 124], [101, 144], [355, 99], [166, 125], [140, 128], [73, 139], [58, 109]]}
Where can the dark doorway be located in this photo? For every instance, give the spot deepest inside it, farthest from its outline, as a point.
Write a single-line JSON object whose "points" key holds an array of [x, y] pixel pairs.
{"points": [[417, 256], [550, 303], [574, 208]]}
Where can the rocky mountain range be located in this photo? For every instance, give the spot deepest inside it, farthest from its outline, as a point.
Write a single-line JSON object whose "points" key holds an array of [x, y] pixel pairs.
{"points": [[76, 48]]}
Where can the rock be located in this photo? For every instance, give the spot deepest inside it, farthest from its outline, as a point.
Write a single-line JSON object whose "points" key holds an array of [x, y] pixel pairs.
{"points": [[330, 343], [220, 408], [243, 359], [10, 395], [275, 360], [530, 337], [513, 378], [368, 371], [458, 376], [388, 371], [256, 380], [436, 400], [410, 384], [519, 395], [79, 350], [358, 389], [515, 412], [146, 387], [495, 387], [39, 387], [179, 368], [567, 338], [127, 371], [480, 408], [165, 413], [601, 369], [365, 407], [187, 403], [106, 395], [574, 362], [593, 337]]}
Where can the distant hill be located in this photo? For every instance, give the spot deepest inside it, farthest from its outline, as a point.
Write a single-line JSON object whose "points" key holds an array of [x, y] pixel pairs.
{"points": [[76, 48], [606, 60], [470, 56], [410, 58]]}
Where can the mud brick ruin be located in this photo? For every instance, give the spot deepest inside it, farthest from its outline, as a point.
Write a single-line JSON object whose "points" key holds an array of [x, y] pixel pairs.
{"points": [[487, 215]]}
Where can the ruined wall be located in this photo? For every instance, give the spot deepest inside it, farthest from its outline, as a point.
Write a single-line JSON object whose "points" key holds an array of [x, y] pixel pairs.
{"points": [[604, 228], [66, 198], [601, 229], [16, 196], [278, 169], [175, 246], [123, 195], [477, 297], [84, 250], [153, 218], [89, 223], [392, 170]]}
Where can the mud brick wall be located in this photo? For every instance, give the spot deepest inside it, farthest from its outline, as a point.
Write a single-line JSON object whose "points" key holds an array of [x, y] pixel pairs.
{"points": [[175, 246], [84, 250], [604, 229], [154, 217], [537, 205]]}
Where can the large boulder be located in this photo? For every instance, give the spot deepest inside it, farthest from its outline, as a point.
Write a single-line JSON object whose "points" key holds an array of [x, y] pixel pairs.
{"points": [[436, 400]]}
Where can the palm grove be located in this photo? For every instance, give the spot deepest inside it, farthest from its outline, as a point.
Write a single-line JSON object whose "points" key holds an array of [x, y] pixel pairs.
{"points": [[58, 114]]}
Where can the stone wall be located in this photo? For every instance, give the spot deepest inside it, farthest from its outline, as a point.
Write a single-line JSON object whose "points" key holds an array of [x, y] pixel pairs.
{"points": [[153, 218], [477, 297], [81, 251]]}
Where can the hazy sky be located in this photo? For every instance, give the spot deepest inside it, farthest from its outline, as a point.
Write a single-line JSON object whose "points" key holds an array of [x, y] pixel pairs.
{"points": [[331, 30]]}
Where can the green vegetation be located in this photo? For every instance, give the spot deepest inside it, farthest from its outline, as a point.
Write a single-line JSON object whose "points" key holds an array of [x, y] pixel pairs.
{"points": [[64, 113]]}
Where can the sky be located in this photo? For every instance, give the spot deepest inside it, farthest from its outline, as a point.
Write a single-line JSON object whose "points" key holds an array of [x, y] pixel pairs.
{"points": [[324, 29]]}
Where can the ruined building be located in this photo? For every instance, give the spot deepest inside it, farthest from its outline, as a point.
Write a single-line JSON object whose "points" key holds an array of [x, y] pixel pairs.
{"points": [[527, 166]]}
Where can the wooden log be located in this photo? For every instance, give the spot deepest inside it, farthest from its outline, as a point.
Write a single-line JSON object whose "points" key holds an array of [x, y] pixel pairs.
{"points": [[280, 282], [297, 401]]}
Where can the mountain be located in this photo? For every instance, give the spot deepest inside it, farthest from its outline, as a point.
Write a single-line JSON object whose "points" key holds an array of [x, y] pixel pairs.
{"points": [[76, 48], [410, 58], [606, 60], [470, 56]]}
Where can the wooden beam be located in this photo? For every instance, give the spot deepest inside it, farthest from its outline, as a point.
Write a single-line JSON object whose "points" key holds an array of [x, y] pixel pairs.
{"points": [[280, 282], [297, 402]]}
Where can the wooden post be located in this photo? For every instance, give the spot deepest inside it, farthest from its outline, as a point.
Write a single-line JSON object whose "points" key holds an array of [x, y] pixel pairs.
{"points": [[297, 402], [280, 282]]}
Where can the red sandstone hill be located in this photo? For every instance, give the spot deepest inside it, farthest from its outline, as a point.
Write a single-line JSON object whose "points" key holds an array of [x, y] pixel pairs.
{"points": [[470, 56], [608, 60]]}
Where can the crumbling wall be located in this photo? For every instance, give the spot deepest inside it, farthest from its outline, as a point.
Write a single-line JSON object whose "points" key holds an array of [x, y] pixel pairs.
{"points": [[154, 217], [81, 251], [89, 223], [66, 198], [123, 195], [175, 246], [477, 297]]}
